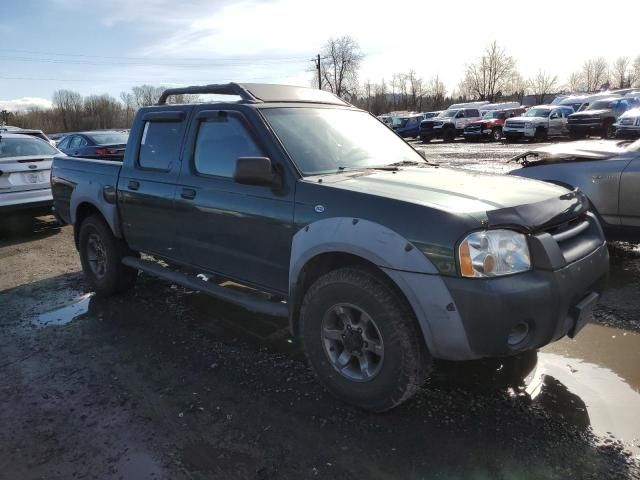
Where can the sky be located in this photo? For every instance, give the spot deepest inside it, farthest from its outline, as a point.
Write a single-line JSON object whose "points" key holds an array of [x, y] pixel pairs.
{"points": [[108, 46]]}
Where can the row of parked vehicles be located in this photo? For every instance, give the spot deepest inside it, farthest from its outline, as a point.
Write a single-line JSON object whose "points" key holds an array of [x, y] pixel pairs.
{"points": [[606, 115]]}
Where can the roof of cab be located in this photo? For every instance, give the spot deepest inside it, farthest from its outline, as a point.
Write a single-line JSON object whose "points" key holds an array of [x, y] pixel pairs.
{"points": [[259, 93]]}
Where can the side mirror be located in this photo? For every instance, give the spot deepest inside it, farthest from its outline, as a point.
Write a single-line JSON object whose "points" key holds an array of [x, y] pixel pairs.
{"points": [[253, 171]]}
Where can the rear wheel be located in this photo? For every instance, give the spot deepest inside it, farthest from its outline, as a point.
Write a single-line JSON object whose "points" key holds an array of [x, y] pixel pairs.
{"points": [[362, 340], [101, 256]]}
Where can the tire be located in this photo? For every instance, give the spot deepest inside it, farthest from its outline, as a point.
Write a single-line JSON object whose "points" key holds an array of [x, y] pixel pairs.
{"points": [[449, 135], [573, 135], [541, 135], [396, 371], [496, 134], [608, 131], [101, 256]]}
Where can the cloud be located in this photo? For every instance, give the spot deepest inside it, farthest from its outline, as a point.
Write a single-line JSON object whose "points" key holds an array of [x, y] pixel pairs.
{"points": [[25, 103]]}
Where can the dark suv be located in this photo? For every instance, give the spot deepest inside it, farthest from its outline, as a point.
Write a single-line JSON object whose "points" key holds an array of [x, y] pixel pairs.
{"points": [[599, 117]]}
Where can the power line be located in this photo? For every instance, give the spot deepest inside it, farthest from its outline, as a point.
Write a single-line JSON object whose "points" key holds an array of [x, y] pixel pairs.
{"points": [[151, 64], [122, 57]]}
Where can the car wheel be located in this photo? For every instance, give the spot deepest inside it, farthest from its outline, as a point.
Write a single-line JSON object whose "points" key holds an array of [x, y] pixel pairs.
{"points": [[541, 135], [362, 340], [496, 134], [449, 135], [101, 256], [609, 131], [576, 135]]}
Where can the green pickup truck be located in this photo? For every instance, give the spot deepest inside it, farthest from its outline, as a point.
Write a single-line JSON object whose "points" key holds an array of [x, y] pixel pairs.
{"points": [[381, 260]]}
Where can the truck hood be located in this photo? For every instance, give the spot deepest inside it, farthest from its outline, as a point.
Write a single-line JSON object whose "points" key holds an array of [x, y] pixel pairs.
{"points": [[590, 113], [492, 199], [528, 119]]}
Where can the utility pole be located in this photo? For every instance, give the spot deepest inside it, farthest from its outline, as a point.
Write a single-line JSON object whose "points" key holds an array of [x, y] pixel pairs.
{"points": [[319, 72]]}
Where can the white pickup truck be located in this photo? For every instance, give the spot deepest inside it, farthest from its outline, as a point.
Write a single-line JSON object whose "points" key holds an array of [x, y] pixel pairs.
{"points": [[539, 123]]}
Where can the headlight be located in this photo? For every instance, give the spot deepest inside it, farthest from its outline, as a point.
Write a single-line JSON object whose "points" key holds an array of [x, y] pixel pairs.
{"points": [[528, 125], [492, 253]]}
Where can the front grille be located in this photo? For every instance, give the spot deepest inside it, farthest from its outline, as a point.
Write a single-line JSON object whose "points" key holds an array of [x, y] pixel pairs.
{"points": [[584, 121], [426, 124], [626, 121], [577, 237], [515, 124]]}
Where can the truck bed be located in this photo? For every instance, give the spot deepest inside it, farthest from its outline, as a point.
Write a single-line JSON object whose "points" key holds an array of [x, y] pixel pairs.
{"points": [[74, 179]]}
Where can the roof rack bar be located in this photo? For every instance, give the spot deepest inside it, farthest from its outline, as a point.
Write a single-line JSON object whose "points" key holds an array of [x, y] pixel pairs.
{"points": [[218, 89]]}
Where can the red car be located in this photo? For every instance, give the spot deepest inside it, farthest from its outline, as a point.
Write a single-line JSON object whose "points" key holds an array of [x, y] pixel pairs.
{"points": [[490, 126]]}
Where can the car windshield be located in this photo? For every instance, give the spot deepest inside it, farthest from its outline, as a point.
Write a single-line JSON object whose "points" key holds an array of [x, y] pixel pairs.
{"points": [[448, 113], [537, 112], [494, 114], [330, 140], [600, 104], [109, 138], [24, 147]]}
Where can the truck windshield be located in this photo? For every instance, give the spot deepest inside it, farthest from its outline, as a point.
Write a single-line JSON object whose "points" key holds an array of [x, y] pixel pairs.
{"points": [[600, 105], [537, 112], [25, 146], [330, 140], [448, 113]]}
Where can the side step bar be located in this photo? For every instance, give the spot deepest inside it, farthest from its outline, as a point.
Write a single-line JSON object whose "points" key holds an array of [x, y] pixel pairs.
{"points": [[248, 301]]}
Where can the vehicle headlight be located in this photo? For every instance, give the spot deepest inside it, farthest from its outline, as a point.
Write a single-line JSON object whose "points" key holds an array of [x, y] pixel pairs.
{"points": [[528, 125], [491, 253]]}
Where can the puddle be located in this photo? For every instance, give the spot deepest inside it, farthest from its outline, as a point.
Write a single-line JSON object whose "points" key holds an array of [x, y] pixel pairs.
{"points": [[601, 368], [64, 315]]}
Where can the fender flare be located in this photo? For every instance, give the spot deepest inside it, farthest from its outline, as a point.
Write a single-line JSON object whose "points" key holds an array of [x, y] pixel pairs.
{"points": [[92, 193], [404, 264]]}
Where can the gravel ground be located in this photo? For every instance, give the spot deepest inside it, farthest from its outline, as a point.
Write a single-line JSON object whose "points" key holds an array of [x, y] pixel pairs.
{"points": [[167, 383]]}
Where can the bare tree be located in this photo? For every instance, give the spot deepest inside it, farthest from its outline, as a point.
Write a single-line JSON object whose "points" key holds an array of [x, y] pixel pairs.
{"points": [[416, 90], [542, 84], [595, 74], [621, 72], [515, 87], [68, 105], [576, 82], [145, 95], [340, 61], [636, 72], [436, 91], [129, 106], [486, 78]]}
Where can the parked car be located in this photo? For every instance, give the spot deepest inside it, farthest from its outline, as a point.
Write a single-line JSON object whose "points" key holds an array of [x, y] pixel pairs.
{"points": [[312, 202], [607, 171], [490, 127], [28, 131], [408, 126], [538, 123], [25, 165], [628, 124], [98, 144], [449, 124], [599, 117]]}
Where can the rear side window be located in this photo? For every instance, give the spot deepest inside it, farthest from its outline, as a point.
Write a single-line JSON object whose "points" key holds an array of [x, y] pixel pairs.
{"points": [[64, 143], [160, 145], [77, 142], [221, 140]]}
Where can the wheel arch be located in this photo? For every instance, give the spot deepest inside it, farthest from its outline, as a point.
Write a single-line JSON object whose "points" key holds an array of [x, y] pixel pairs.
{"points": [[337, 242]]}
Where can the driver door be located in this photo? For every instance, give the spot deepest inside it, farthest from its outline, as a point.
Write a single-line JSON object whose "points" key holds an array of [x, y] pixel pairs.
{"points": [[556, 123]]}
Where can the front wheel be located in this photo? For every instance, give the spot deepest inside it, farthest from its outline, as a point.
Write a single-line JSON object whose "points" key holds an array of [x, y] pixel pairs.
{"points": [[101, 256], [362, 340], [496, 134], [449, 135]]}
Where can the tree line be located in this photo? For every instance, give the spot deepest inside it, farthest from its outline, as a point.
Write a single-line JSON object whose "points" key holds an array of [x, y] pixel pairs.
{"points": [[71, 112], [494, 77]]}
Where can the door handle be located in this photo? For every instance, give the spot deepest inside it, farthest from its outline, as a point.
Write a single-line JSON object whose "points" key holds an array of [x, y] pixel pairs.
{"points": [[188, 193], [133, 185]]}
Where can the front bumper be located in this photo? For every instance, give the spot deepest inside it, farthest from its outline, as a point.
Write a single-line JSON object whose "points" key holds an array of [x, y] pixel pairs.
{"points": [[477, 134], [549, 302], [518, 134], [627, 131], [585, 128]]}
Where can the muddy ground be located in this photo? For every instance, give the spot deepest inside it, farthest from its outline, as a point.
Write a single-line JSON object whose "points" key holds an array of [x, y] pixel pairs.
{"points": [[167, 383]]}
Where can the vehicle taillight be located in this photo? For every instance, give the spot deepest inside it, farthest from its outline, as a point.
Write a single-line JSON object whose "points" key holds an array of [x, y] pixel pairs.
{"points": [[102, 151]]}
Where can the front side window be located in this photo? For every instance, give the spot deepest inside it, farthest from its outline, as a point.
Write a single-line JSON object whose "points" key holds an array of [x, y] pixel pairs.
{"points": [[330, 140], [221, 141], [160, 145], [537, 112]]}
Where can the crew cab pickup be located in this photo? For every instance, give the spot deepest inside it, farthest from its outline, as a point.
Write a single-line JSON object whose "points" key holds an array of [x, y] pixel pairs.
{"points": [[538, 123], [381, 260], [599, 117]]}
